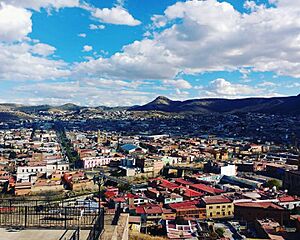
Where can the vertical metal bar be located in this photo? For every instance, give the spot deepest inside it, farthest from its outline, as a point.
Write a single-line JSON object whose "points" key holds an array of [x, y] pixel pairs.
{"points": [[26, 211], [65, 217]]}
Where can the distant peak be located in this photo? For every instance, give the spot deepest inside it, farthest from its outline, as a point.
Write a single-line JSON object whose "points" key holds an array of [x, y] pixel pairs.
{"points": [[162, 100], [69, 104]]}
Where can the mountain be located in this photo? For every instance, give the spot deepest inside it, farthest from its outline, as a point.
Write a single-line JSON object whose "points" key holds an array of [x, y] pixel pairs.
{"points": [[276, 105]]}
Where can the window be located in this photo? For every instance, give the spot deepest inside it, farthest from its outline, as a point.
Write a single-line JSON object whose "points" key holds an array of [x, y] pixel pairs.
{"points": [[218, 206], [210, 207], [210, 214]]}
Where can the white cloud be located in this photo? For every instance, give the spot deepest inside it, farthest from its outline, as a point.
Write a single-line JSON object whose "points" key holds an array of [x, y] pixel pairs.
{"points": [[83, 93], [96, 27], [267, 84], [179, 84], [221, 88], [138, 61], [15, 23], [116, 15], [18, 63], [87, 48], [43, 49], [83, 35], [205, 36], [48, 4]]}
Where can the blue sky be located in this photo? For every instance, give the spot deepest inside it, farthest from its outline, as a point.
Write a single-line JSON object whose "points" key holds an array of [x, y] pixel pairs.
{"points": [[125, 52]]}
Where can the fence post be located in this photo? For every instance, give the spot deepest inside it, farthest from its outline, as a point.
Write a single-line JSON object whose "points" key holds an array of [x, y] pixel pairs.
{"points": [[65, 210], [26, 211], [78, 230]]}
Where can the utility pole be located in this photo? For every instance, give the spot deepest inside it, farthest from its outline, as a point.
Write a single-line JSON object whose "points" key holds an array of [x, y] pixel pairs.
{"points": [[99, 180]]}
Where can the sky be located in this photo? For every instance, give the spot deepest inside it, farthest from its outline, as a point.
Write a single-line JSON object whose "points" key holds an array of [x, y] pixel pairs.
{"points": [[128, 52]]}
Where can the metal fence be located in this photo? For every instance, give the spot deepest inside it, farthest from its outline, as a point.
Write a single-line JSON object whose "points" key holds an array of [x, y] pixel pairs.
{"points": [[97, 228], [38, 214]]}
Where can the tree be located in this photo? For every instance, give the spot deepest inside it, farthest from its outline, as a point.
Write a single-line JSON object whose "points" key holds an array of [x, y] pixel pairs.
{"points": [[123, 187], [220, 232], [12, 155], [273, 183]]}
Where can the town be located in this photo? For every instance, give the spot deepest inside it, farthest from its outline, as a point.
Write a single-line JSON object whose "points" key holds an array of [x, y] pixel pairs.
{"points": [[164, 185]]}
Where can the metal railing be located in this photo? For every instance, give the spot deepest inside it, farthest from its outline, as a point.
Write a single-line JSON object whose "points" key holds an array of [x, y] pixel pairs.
{"points": [[98, 227], [37, 214]]}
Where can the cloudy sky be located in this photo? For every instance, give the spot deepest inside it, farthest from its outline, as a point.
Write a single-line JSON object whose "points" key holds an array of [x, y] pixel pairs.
{"points": [[125, 52]]}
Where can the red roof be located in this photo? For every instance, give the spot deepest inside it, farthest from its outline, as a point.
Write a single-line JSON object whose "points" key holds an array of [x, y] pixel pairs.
{"points": [[191, 193], [168, 185], [182, 181], [110, 194], [130, 195], [149, 209], [216, 199], [184, 205], [287, 199], [258, 205], [205, 188], [119, 199]]}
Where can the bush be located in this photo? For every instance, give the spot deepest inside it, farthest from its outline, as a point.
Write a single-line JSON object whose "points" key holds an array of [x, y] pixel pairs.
{"points": [[220, 232], [273, 183]]}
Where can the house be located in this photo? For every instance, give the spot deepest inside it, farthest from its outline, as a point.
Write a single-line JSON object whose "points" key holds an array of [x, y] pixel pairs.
{"points": [[250, 211], [218, 207], [269, 229], [25, 173], [188, 210], [171, 198], [181, 231], [289, 202], [189, 194], [150, 214]]}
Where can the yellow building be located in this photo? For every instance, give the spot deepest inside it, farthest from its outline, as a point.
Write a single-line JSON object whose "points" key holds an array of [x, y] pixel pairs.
{"points": [[218, 207]]}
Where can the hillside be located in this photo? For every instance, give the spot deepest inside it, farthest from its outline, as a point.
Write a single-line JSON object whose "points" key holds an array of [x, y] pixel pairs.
{"points": [[278, 105]]}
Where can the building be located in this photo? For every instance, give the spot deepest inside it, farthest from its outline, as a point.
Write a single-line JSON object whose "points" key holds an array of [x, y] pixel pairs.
{"points": [[27, 173], [188, 210], [250, 211], [291, 182], [269, 229], [218, 207], [229, 170], [289, 202], [150, 214]]}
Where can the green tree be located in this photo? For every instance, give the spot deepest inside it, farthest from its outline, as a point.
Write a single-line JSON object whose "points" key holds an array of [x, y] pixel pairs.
{"points": [[273, 183], [220, 232]]}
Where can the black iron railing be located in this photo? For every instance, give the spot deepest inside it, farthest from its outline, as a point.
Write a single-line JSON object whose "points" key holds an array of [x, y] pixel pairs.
{"points": [[37, 214], [98, 227]]}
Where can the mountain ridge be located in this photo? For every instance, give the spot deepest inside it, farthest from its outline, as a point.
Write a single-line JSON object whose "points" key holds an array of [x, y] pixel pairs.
{"points": [[272, 105]]}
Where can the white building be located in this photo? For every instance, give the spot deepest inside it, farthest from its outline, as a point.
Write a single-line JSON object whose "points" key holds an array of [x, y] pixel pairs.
{"points": [[26, 173], [229, 170]]}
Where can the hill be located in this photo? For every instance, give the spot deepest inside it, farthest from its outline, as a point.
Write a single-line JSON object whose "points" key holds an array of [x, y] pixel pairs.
{"points": [[276, 105]]}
